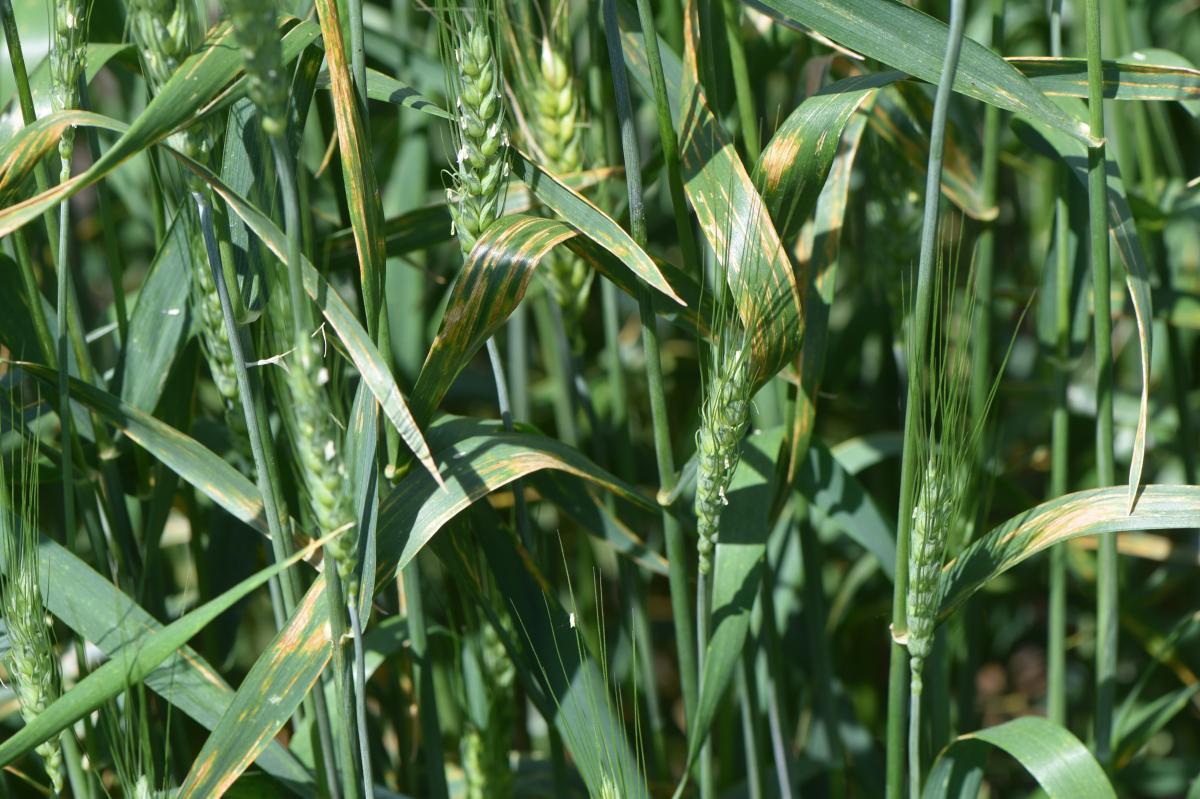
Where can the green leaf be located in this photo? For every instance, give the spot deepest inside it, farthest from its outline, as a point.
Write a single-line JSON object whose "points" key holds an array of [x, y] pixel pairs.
{"points": [[1127, 79], [1095, 512], [185, 456], [911, 41], [590, 221], [552, 658], [837, 498], [103, 615], [184, 97], [130, 665], [737, 573], [159, 322], [477, 457], [1053, 756], [387, 89]]}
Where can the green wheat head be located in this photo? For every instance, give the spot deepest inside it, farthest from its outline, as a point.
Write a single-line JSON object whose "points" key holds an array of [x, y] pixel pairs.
{"points": [[29, 658], [475, 87]]}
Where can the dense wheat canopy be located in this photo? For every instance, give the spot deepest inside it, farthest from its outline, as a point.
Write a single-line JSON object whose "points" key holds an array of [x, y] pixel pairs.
{"points": [[542, 399]]}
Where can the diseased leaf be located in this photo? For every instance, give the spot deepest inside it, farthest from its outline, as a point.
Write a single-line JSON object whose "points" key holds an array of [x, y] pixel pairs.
{"points": [[1094, 512]]}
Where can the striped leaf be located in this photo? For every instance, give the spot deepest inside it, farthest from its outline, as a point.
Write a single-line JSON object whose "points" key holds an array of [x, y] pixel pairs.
{"points": [[911, 41], [269, 695], [590, 221], [358, 171], [1094, 512], [490, 286], [97, 56], [1060, 763], [738, 227], [1128, 79]]}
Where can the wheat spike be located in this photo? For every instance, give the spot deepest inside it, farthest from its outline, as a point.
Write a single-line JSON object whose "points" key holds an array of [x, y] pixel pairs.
{"points": [[30, 662], [480, 166]]}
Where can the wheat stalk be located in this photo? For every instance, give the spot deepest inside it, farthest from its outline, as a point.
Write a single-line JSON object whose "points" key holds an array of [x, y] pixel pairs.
{"points": [[29, 660], [68, 57]]}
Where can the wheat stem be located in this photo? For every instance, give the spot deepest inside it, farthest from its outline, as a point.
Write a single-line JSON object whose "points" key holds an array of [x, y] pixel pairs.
{"points": [[897, 684]]}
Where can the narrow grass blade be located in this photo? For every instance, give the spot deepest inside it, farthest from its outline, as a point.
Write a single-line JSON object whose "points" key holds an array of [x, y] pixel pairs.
{"points": [[1094, 512], [160, 321], [106, 617], [792, 171], [358, 171], [185, 456], [1062, 766]]}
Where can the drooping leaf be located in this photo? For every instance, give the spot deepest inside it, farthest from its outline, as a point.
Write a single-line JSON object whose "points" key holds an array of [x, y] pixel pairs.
{"points": [[476, 458], [490, 285], [1095, 512], [1062, 766], [590, 221], [182, 99], [911, 41]]}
